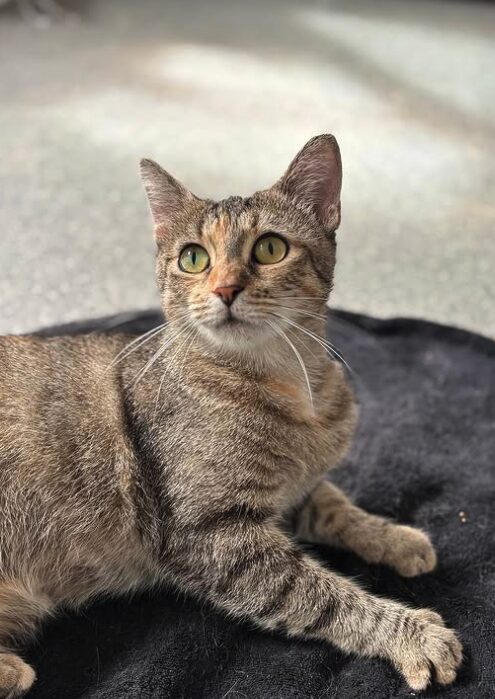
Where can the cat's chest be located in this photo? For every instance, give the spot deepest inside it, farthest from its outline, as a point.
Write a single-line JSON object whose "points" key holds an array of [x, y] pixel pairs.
{"points": [[246, 435], [229, 435]]}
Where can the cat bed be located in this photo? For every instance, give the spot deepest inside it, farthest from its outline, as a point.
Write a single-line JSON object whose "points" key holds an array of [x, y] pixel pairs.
{"points": [[424, 454]]}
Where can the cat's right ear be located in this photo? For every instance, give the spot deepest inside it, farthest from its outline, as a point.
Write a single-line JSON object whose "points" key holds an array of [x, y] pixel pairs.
{"points": [[314, 180], [167, 198]]}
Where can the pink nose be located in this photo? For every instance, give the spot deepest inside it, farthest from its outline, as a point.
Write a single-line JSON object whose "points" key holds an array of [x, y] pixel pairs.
{"points": [[228, 293]]}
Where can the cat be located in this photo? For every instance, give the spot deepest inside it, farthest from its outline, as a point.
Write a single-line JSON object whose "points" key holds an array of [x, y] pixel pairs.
{"points": [[195, 456]]}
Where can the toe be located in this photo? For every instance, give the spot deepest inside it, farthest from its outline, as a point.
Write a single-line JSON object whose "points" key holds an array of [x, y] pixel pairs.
{"points": [[445, 675], [432, 617], [16, 676], [429, 651], [417, 676], [410, 551], [445, 652]]}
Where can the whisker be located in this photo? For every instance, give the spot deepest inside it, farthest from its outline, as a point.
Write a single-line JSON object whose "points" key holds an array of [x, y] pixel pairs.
{"points": [[344, 324], [158, 354], [194, 333], [141, 340], [167, 369], [280, 332], [306, 346], [149, 363], [308, 303], [320, 316], [326, 345], [321, 299]]}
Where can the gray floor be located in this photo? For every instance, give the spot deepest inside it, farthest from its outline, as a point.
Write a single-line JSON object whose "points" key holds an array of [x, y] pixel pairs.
{"points": [[223, 94]]}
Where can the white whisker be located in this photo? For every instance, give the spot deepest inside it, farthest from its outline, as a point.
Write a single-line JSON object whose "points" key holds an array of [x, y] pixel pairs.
{"points": [[158, 353], [306, 346], [194, 333], [324, 343], [301, 298], [141, 340], [280, 332], [320, 316], [166, 371]]}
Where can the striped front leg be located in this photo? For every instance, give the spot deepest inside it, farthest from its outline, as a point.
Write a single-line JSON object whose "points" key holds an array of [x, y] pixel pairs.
{"points": [[329, 517], [240, 561]]}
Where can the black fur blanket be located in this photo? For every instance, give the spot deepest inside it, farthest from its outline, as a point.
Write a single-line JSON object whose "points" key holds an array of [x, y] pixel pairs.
{"points": [[424, 454]]}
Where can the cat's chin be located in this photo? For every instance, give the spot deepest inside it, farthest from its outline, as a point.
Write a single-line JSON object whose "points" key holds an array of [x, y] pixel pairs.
{"points": [[235, 335]]}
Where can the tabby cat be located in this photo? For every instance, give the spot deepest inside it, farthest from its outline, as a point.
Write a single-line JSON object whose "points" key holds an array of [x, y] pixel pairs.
{"points": [[195, 456]]}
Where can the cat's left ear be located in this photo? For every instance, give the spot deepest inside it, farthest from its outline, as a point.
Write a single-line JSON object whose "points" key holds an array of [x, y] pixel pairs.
{"points": [[314, 180], [167, 197]]}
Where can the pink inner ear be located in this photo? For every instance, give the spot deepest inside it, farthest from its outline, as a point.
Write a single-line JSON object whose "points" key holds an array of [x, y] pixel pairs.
{"points": [[314, 179]]}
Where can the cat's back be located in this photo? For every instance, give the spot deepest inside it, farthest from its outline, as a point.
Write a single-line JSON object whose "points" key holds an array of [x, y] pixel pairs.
{"points": [[23, 369], [56, 395], [34, 367]]}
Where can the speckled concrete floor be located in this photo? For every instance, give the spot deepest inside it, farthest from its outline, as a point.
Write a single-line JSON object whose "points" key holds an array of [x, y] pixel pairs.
{"points": [[223, 94]]}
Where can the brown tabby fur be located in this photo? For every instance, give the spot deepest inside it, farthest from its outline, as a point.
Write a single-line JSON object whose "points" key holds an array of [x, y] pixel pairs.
{"points": [[113, 478]]}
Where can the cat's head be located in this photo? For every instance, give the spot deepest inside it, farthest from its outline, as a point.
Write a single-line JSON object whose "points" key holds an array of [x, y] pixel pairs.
{"points": [[241, 269]]}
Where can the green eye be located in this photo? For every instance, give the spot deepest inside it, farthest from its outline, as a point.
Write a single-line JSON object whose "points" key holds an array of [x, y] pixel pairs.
{"points": [[270, 249], [194, 259]]}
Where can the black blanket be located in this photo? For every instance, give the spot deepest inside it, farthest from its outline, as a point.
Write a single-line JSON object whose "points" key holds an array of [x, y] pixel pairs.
{"points": [[424, 455]]}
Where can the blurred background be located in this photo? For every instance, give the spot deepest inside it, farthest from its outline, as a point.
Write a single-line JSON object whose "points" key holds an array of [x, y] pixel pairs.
{"points": [[223, 94]]}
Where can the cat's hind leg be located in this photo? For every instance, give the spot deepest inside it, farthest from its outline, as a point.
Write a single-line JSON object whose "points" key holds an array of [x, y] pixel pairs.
{"points": [[328, 516], [21, 610]]}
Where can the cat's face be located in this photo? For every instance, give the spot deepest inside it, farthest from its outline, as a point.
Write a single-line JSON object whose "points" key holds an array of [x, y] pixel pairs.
{"points": [[240, 270]]}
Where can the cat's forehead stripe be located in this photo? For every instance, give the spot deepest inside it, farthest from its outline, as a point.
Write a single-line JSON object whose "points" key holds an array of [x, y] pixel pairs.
{"points": [[228, 223]]}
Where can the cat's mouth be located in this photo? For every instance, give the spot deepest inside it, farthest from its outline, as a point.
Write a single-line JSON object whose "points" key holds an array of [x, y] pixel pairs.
{"points": [[230, 319], [232, 327], [233, 322]]}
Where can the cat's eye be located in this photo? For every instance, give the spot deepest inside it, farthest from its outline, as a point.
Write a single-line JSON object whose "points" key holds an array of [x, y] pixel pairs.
{"points": [[194, 259], [270, 249]]}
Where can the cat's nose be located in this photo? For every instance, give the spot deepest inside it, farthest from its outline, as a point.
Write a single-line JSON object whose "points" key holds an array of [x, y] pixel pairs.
{"points": [[228, 293]]}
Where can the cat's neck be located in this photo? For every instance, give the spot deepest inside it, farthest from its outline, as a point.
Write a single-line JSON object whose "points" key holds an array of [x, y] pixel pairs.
{"points": [[295, 357]]}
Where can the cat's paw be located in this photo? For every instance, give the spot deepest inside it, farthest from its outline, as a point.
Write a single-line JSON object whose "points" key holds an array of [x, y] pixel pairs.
{"points": [[409, 551], [426, 650], [16, 676]]}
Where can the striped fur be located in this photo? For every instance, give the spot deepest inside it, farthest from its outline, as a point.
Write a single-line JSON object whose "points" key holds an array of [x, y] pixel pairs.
{"points": [[180, 458]]}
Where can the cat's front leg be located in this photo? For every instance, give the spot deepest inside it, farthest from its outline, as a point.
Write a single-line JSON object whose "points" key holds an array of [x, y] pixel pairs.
{"points": [[249, 568], [329, 517]]}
